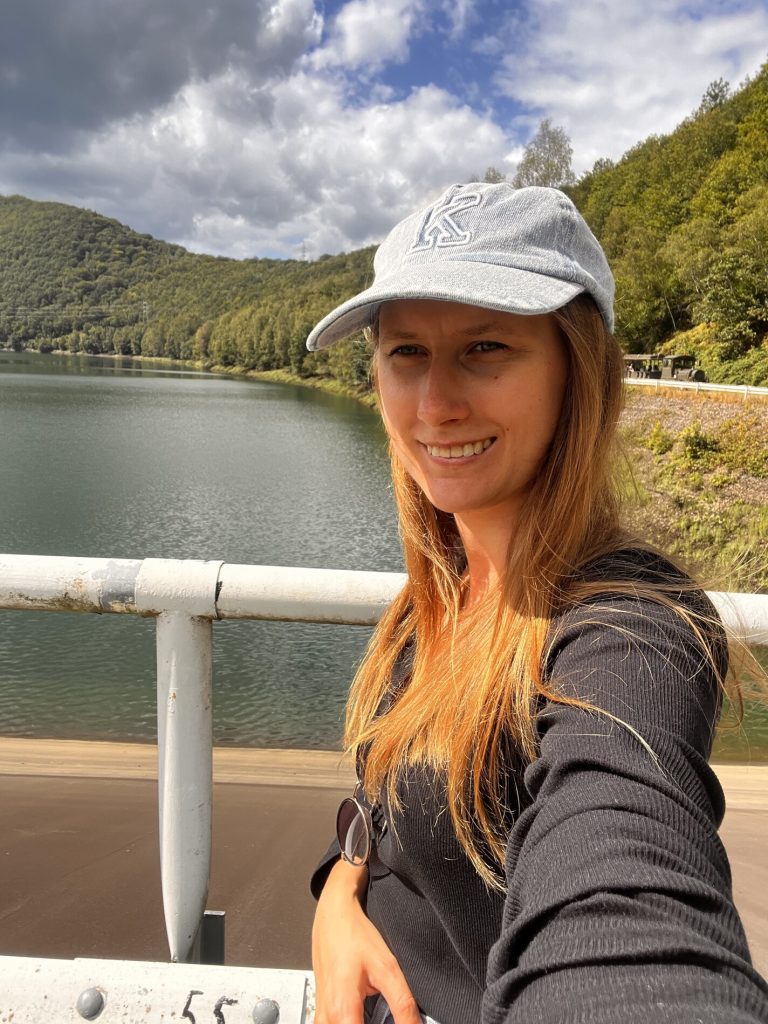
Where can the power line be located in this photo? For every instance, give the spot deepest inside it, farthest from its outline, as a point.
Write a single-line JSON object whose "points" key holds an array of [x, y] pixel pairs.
{"points": [[141, 310]]}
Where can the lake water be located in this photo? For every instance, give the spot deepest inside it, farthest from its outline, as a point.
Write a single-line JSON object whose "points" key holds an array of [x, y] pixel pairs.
{"points": [[112, 458], [101, 458]]}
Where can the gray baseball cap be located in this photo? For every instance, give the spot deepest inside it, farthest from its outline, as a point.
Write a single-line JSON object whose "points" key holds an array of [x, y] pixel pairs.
{"points": [[525, 250]]}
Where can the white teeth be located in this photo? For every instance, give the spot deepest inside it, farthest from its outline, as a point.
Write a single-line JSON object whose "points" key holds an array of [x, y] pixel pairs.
{"points": [[458, 451]]}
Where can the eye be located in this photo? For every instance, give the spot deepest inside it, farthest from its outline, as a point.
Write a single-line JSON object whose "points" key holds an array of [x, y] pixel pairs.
{"points": [[488, 346], [403, 350]]}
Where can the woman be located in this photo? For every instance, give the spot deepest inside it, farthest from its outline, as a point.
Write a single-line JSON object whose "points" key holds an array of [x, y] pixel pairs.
{"points": [[534, 715]]}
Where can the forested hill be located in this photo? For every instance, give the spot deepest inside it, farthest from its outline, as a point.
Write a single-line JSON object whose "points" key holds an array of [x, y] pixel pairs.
{"points": [[683, 218], [684, 222], [72, 279]]}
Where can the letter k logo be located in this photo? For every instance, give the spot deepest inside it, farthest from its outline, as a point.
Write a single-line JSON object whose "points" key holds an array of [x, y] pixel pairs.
{"points": [[439, 228]]}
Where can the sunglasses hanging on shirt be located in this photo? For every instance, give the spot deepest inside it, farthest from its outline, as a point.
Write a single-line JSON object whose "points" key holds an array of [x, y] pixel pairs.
{"points": [[355, 828]]}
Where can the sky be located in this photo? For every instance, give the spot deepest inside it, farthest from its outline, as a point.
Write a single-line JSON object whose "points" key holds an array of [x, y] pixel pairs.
{"points": [[293, 128]]}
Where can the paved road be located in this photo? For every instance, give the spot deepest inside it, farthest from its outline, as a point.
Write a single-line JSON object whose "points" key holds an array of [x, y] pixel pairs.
{"points": [[79, 865]]}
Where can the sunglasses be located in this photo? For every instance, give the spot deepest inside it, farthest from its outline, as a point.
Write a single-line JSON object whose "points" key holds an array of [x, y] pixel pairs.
{"points": [[355, 828]]}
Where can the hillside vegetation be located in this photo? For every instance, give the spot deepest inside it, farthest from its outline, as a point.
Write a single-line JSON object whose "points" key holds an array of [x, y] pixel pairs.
{"points": [[698, 483], [683, 218], [684, 221], [71, 279]]}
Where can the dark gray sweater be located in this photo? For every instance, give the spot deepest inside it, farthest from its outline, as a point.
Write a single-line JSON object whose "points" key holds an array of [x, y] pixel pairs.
{"points": [[618, 906]]}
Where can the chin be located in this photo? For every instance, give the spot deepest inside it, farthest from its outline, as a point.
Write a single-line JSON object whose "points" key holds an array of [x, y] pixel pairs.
{"points": [[455, 506]]}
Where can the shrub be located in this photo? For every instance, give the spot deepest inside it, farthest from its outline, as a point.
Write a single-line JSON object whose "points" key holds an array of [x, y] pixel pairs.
{"points": [[659, 440], [743, 445], [695, 444]]}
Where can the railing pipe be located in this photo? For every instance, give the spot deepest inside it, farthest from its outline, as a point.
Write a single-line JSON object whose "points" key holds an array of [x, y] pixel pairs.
{"points": [[220, 590], [746, 615], [179, 585], [305, 595], [64, 584]]}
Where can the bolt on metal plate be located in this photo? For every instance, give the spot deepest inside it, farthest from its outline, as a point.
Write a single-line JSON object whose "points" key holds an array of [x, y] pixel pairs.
{"points": [[90, 1003], [266, 1011]]}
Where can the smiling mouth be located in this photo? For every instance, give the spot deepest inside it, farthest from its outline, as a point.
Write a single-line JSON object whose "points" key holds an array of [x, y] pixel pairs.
{"points": [[459, 451]]}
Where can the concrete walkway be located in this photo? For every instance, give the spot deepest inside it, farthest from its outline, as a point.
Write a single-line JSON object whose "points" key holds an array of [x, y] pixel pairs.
{"points": [[79, 869]]}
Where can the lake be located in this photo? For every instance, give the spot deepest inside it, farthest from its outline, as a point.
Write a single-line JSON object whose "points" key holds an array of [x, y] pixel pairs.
{"points": [[112, 458], [131, 460]]}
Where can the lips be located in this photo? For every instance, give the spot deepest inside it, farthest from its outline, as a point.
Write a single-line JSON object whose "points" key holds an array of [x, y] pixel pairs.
{"points": [[459, 450]]}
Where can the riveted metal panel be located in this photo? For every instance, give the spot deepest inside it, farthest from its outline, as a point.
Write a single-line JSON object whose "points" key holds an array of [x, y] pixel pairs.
{"points": [[47, 991]]}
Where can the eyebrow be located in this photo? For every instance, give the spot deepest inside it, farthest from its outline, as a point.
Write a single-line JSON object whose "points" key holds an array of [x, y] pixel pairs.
{"points": [[487, 327], [397, 336]]}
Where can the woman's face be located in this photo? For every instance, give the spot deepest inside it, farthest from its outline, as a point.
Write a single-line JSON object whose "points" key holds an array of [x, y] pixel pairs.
{"points": [[471, 399]]}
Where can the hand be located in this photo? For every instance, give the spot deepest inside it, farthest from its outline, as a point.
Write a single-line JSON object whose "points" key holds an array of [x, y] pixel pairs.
{"points": [[350, 958]]}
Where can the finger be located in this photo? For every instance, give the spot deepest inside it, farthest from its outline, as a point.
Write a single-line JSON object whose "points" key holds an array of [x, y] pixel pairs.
{"points": [[342, 1012], [399, 997]]}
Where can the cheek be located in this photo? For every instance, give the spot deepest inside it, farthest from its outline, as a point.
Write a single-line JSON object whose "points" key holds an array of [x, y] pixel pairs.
{"points": [[392, 425], [540, 407], [554, 387], [392, 404]]}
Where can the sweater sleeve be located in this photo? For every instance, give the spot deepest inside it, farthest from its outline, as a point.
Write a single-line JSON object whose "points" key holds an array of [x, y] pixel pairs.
{"points": [[320, 875], [619, 902]]}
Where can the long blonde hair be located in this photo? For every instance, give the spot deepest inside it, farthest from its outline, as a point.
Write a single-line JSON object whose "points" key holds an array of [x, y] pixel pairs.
{"points": [[476, 675]]}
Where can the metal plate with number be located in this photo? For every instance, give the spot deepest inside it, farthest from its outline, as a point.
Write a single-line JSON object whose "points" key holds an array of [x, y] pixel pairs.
{"points": [[73, 991]]}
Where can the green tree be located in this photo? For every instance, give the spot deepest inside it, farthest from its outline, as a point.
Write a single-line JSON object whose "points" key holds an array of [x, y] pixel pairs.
{"points": [[547, 158], [493, 176], [716, 94]]}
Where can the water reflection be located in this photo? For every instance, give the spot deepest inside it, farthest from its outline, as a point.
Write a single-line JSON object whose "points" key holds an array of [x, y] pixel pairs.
{"points": [[141, 463]]}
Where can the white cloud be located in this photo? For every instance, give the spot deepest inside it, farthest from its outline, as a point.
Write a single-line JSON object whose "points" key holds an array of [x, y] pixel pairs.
{"points": [[367, 34], [274, 171], [612, 74], [460, 14], [73, 67], [263, 135], [290, 20]]}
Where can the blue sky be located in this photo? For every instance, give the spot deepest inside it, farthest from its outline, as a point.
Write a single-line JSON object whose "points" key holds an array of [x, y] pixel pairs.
{"points": [[261, 127]]}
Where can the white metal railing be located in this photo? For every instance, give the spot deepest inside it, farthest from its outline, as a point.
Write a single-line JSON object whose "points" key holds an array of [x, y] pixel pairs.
{"points": [[185, 597], [657, 383]]}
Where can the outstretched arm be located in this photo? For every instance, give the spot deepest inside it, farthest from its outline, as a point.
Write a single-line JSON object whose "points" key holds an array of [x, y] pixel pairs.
{"points": [[619, 905]]}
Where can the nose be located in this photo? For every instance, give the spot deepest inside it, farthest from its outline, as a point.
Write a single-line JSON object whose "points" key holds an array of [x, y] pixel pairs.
{"points": [[443, 397]]}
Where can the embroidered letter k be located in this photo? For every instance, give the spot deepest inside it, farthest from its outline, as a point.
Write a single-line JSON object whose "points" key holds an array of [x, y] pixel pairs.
{"points": [[439, 227]]}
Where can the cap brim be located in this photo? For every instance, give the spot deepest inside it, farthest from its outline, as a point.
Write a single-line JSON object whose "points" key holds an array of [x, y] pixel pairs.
{"points": [[472, 283]]}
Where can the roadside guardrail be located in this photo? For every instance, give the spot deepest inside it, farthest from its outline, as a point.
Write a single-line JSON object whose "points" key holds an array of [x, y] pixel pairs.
{"points": [[658, 384]]}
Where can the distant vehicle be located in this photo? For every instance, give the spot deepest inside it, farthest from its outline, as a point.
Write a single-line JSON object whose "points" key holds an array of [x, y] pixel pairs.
{"points": [[649, 365], [642, 365], [681, 368]]}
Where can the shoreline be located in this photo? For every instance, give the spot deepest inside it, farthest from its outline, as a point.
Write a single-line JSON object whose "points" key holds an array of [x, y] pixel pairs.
{"points": [[99, 759], [745, 785], [329, 385]]}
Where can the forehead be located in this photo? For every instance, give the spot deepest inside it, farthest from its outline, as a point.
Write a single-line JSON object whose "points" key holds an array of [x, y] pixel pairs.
{"points": [[414, 317]]}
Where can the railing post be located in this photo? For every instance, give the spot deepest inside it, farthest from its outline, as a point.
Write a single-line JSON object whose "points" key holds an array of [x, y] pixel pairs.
{"points": [[185, 772], [182, 594]]}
